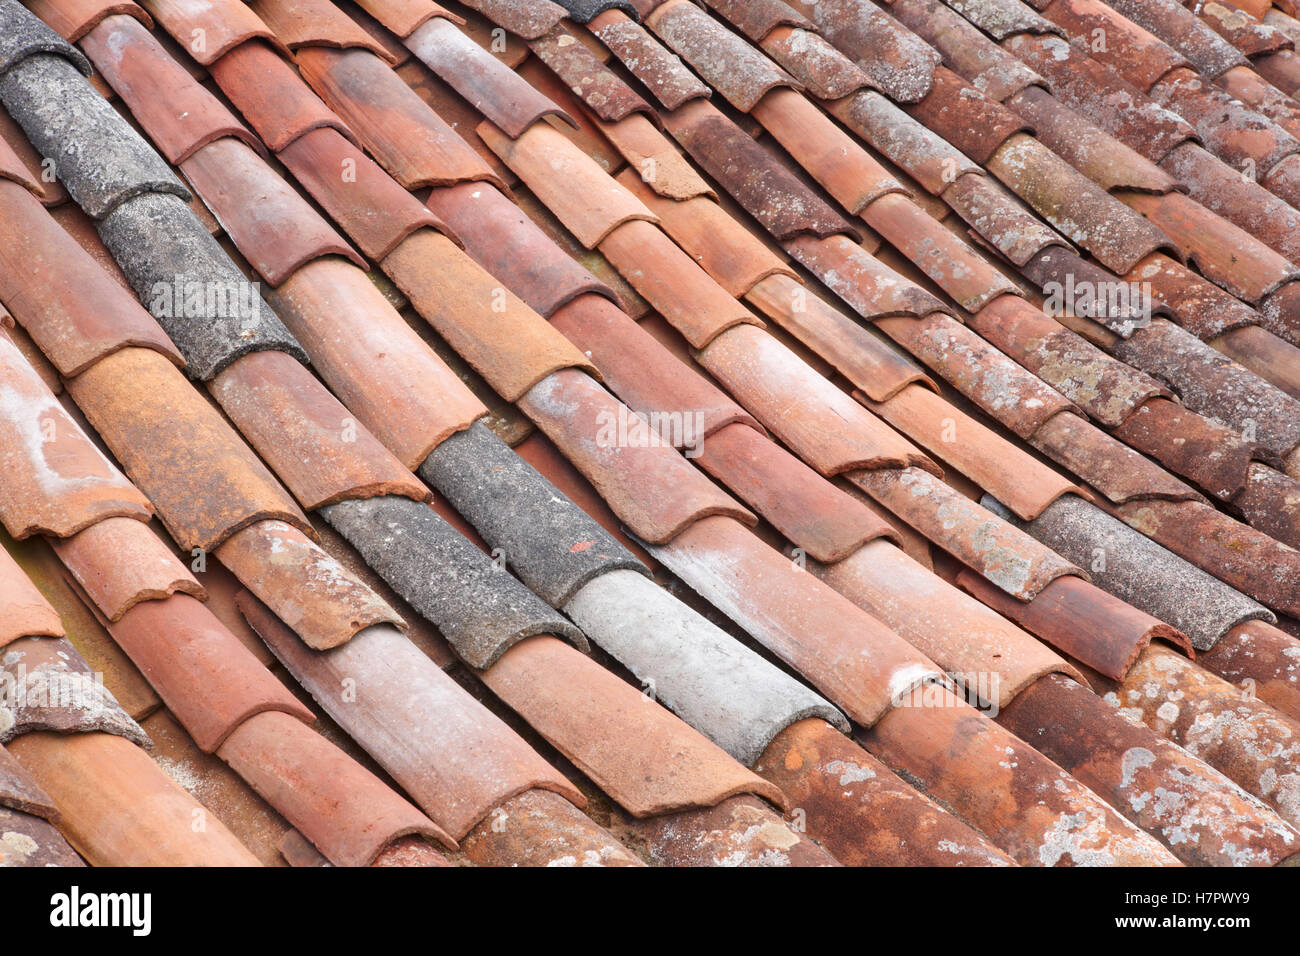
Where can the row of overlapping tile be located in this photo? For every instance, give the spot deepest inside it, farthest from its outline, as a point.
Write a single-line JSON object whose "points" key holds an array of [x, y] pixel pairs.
{"points": [[702, 281]]}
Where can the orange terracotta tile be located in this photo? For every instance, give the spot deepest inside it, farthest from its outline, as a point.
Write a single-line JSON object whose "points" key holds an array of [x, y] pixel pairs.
{"points": [[73, 19], [119, 563], [23, 610], [583, 420], [656, 162], [314, 594], [505, 341], [56, 481], [408, 139], [379, 368], [646, 759], [306, 435], [538, 828], [403, 16], [151, 417], [300, 23], [118, 808], [965, 117], [663, 73], [343, 809], [221, 25]]}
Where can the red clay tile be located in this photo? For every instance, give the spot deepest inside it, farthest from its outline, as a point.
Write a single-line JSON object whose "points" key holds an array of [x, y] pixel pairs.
{"points": [[379, 368], [73, 19], [13, 169], [860, 811], [993, 780], [1139, 56], [1082, 621], [815, 515], [857, 662], [740, 831], [1263, 353], [204, 676], [57, 481], [1282, 69], [655, 160], [822, 424], [599, 87], [991, 657], [408, 139], [823, 70], [63, 298], [37, 170], [569, 182], [342, 808], [1233, 552], [310, 590], [119, 563], [1243, 83], [178, 113], [309, 438], [670, 281], [1104, 387], [528, 18], [950, 263], [374, 211], [662, 72], [24, 612], [734, 68], [755, 178], [1210, 454], [864, 359], [829, 154], [449, 753], [1259, 652], [504, 240], [403, 16], [1212, 719], [511, 346], [1203, 308], [1006, 556], [1200, 816], [152, 418], [207, 29], [274, 228], [757, 18], [537, 828], [965, 117], [487, 84], [873, 289], [271, 96], [646, 759], [644, 373], [898, 61], [1014, 477], [308, 23], [18, 791], [118, 808], [584, 420]]}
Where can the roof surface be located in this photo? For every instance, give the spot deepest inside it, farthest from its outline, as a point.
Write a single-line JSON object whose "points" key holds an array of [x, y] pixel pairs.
{"points": [[649, 433]]}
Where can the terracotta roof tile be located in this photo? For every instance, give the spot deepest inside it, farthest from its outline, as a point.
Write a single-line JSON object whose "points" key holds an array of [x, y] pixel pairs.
{"points": [[271, 95], [544, 830], [380, 369], [1262, 653], [734, 68], [740, 831], [121, 563], [18, 791], [560, 692], [56, 481], [61, 295], [51, 671], [222, 25], [308, 23], [73, 19], [662, 71], [570, 408], [965, 117], [823, 70], [1001, 18], [1226, 828], [1182, 29], [860, 810], [528, 18], [26, 612], [583, 11], [407, 138], [602, 90], [179, 114], [346, 812], [759, 18], [403, 16], [277, 234], [1139, 56], [146, 412], [118, 808], [491, 87], [1265, 354], [15, 170], [962, 761], [502, 239]]}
